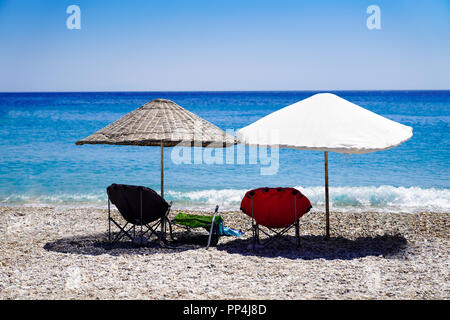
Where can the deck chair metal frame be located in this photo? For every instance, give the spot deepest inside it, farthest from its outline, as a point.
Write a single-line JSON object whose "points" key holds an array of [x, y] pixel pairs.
{"points": [[276, 235], [213, 237], [144, 228]]}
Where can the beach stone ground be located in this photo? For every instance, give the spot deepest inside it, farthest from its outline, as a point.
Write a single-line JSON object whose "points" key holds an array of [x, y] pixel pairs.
{"points": [[63, 253]]}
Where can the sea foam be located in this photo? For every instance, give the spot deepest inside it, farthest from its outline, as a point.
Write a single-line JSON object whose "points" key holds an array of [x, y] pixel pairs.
{"points": [[382, 198], [354, 199]]}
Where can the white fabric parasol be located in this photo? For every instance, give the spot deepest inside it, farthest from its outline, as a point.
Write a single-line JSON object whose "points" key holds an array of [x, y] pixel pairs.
{"points": [[326, 122]]}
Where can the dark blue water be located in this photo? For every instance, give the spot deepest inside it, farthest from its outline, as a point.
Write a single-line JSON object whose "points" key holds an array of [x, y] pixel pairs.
{"points": [[40, 163]]}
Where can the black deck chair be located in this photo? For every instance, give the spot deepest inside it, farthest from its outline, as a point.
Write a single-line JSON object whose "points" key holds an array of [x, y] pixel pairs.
{"points": [[139, 206]]}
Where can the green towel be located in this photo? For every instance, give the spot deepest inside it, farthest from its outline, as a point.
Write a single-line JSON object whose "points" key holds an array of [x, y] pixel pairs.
{"points": [[196, 221]]}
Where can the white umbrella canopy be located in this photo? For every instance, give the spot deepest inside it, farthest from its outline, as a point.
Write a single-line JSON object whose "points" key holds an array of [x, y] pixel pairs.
{"points": [[326, 122]]}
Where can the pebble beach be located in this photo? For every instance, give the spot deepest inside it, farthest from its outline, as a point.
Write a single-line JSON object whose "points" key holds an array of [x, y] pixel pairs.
{"points": [[62, 253]]}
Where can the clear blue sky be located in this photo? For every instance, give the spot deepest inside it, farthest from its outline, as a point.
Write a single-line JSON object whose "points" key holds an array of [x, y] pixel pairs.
{"points": [[223, 45]]}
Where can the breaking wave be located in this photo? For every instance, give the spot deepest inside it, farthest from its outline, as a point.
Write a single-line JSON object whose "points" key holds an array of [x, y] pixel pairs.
{"points": [[357, 199], [383, 198]]}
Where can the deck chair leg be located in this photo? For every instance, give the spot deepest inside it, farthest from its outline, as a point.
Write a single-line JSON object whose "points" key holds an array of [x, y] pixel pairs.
{"points": [[212, 228], [256, 240], [151, 229], [122, 230], [140, 218], [217, 236], [277, 235], [162, 236], [109, 221], [297, 233], [253, 235], [170, 230], [163, 229], [214, 237]]}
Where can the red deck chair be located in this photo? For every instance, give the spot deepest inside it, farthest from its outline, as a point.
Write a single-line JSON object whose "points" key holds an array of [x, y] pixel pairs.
{"points": [[275, 208]]}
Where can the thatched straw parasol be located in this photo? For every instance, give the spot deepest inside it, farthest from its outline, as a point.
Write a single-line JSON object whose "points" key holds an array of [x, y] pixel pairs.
{"points": [[163, 123]]}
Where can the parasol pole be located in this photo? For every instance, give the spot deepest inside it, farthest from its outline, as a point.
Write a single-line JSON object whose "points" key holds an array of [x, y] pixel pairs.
{"points": [[162, 169], [327, 199], [163, 222]]}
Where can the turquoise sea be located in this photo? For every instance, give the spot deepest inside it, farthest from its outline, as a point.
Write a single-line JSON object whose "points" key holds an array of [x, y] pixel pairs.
{"points": [[41, 165]]}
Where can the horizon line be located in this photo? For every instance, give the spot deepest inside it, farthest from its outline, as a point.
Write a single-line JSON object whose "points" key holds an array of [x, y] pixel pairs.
{"points": [[220, 91]]}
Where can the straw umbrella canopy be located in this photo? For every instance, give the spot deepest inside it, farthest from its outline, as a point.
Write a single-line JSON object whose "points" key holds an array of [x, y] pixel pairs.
{"points": [[162, 123], [326, 122]]}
